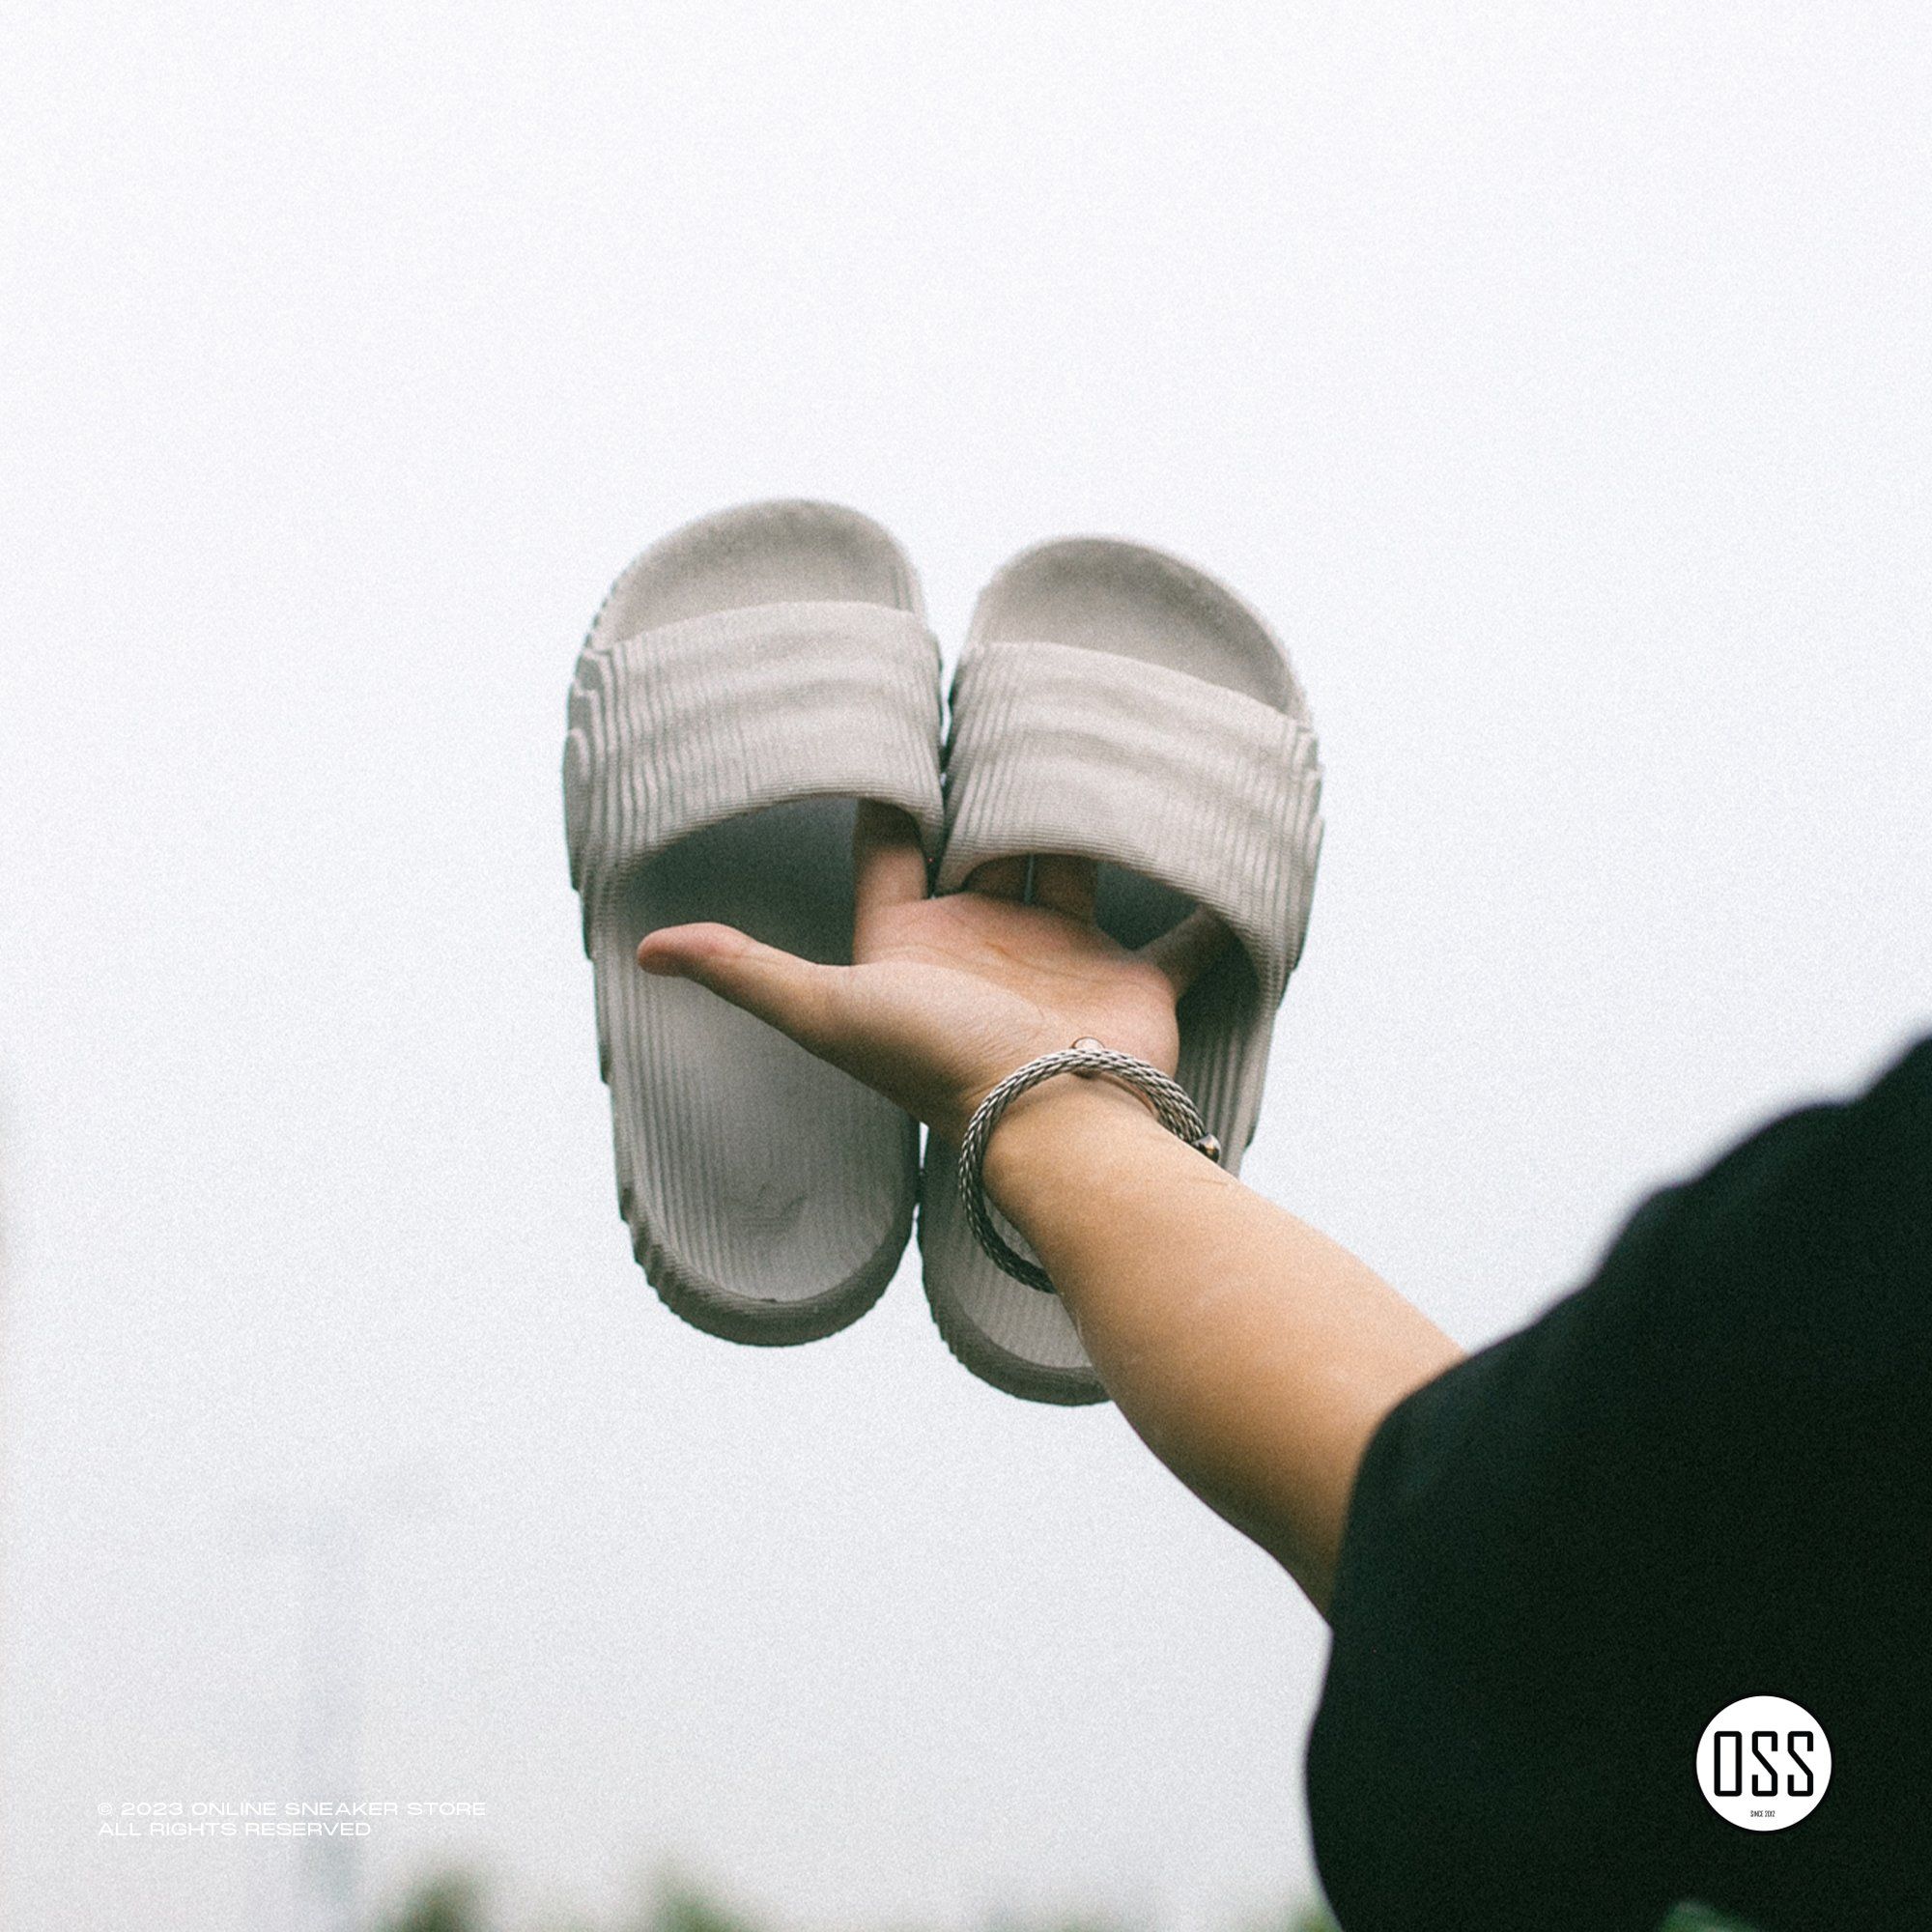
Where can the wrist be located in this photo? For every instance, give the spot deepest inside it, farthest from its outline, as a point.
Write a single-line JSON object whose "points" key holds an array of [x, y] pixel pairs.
{"points": [[1046, 1126]]}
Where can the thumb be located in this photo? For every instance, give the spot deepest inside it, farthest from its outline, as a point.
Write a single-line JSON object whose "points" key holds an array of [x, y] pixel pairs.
{"points": [[781, 990], [1186, 952]]}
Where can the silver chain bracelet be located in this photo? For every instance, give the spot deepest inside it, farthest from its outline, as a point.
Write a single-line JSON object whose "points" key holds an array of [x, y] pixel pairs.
{"points": [[1172, 1107]]}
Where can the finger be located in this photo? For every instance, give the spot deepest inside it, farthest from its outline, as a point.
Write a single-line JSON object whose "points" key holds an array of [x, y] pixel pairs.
{"points": [[1186, 952], [999, 878], [792, 994], [1066, 885], [888, 866]]}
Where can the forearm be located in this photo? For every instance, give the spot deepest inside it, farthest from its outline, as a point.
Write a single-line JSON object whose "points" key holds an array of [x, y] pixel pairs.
{"points": [[1252, 1355]]}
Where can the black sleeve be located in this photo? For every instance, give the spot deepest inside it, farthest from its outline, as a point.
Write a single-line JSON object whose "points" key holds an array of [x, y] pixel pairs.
{"points": [[1705, 1475]]}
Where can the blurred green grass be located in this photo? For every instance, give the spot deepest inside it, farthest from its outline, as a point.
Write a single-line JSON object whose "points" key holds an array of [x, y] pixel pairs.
{"points": [[460, 1903]]}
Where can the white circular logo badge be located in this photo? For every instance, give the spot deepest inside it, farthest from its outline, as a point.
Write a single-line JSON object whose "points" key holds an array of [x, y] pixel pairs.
{"points": [[1764, 1763]]}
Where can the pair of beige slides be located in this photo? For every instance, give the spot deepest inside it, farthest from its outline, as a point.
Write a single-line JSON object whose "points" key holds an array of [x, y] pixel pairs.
{"points": [[751, 678]]}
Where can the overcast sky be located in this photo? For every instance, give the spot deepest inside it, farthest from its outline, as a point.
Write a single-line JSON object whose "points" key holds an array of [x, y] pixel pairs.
{"points": [[1555, 377]]}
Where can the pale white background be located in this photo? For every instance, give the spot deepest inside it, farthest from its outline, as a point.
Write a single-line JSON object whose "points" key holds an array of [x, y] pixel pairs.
{"points": [[1556, 376]]}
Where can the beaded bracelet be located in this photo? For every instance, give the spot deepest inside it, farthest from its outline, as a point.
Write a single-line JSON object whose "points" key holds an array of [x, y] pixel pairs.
{"points": [[1170, 1104]]}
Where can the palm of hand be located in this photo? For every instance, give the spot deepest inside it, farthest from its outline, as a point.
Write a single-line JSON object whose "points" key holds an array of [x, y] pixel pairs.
{"points": [[944, 996], [947, 996]]}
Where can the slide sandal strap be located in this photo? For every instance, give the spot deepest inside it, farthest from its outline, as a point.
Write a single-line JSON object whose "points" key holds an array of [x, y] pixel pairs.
{"points": [[1064, 750], [689, 723]]}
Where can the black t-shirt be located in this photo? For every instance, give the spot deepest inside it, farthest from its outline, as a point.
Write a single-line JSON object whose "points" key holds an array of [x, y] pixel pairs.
{"points": [[1706, 1475]]}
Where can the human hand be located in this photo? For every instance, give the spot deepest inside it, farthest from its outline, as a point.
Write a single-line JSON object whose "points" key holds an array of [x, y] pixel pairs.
{"points": [[947, 996]]}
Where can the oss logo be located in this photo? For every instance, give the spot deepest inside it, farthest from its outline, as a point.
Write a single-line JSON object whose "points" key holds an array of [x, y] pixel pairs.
{"points": [[1764, 1763]]}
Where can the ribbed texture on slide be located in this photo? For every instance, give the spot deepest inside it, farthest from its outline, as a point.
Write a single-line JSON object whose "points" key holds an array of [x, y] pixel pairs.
{"points": [[1058, 749], [681, 727], [768, 1194]]}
